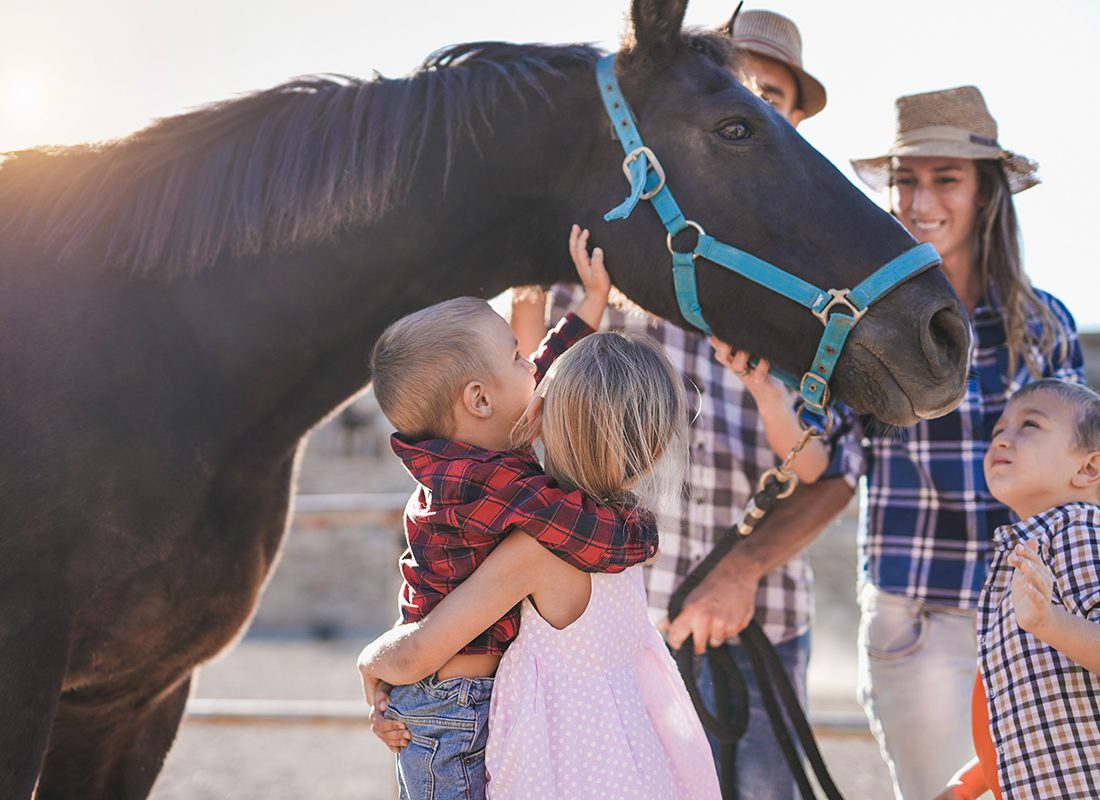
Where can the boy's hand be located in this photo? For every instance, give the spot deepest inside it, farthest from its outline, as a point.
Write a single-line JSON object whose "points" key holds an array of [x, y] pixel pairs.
{"points": [[1032, 587], [591, 271], [395, 735]]}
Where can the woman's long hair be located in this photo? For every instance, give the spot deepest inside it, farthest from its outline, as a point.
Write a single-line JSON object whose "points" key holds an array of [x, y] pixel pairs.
{"points": [[1000, 268]]}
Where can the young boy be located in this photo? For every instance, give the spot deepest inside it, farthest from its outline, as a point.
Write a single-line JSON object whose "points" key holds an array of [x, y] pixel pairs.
{"points": [[1036, 714], [452, 381]]}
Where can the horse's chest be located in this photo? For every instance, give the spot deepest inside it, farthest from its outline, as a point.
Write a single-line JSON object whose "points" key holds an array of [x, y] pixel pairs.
{"points": [[191, 597]]}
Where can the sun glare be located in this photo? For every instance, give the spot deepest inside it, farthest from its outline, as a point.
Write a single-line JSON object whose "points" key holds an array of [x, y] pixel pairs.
{"points": [[22, 95]]}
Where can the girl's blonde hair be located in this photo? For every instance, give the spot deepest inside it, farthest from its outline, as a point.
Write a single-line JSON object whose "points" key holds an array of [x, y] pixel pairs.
{"points": [[613, 422]]}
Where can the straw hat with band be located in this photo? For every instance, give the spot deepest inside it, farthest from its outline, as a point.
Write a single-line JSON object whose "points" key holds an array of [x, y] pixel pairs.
{"points": [[952, 123], [766, 33]]}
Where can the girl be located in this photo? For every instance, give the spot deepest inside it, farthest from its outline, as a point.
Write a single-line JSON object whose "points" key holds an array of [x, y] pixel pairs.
{"points": [[587, 701], [928, 518]]}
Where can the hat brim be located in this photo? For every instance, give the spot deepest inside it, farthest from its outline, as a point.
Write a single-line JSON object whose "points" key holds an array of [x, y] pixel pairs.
{"points": [[1021, 172], [811, 89]]}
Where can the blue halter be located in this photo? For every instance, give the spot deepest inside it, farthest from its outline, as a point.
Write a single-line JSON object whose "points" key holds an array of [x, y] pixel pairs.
{"points": [[837, 309]]}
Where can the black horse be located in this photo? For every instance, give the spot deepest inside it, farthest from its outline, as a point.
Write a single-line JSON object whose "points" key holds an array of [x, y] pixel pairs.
{"points": [[181, 307]]}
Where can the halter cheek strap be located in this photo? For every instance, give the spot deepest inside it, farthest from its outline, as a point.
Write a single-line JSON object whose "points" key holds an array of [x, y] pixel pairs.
{"points": [[837, 309]]}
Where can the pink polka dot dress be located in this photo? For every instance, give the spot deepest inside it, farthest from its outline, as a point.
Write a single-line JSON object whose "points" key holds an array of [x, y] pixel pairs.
{"points": [[595, 710]]}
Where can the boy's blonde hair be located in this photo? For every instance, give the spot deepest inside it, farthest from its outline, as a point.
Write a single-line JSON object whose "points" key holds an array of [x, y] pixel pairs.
{"points": [[1085, 404], [421, 363], [613, 422]]}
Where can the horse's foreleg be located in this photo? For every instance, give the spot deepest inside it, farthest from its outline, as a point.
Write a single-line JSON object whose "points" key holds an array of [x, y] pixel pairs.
{"points": [[111, 754], [32, 668]]}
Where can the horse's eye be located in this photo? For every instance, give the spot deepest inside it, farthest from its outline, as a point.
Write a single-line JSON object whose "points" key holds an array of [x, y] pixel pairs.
{"points": [[735, 132]]}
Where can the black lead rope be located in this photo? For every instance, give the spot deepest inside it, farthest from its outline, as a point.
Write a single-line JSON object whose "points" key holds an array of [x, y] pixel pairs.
{"points": [[730, 720]]}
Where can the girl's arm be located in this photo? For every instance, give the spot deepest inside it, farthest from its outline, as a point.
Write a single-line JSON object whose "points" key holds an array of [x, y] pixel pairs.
{"points": [[517, 567], [781, 426]]}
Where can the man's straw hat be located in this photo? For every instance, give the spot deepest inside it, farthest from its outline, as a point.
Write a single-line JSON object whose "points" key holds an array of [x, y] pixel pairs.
{"points": [[769, 34], [952, 123]]}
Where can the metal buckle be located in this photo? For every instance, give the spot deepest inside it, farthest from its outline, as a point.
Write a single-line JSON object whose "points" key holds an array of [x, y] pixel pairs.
{"points": [[843, 298], [687, 224], [818, 381], [654, 164]]}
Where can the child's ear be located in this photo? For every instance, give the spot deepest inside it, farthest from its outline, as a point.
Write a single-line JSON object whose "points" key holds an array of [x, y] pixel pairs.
{"points": [[1088, 475], [475, 400]]}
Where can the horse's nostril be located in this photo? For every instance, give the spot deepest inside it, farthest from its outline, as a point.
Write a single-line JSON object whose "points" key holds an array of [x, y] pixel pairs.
{"points": [[946, 341]]}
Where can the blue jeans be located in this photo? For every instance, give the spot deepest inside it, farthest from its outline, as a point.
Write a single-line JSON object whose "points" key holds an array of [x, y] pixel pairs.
{"points": [[762, 772], [449, 723]]}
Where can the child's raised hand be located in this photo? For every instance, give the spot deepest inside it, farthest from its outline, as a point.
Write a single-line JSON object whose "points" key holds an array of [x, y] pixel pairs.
{"points": [[1032, 586], [591, 271]]}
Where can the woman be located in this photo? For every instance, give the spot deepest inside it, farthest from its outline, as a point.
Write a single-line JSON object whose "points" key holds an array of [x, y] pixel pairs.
{"points": [[927, 517]]}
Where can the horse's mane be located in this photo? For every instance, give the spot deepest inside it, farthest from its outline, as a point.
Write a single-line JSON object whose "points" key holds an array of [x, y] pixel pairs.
{"points": [[267, 170]]}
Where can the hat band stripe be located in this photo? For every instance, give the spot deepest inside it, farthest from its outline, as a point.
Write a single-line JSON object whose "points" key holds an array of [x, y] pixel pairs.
{"points": [[941, 133]]}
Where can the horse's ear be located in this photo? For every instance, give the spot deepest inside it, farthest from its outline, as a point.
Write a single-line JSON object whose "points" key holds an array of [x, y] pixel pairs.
{"points": [[727, 28], [654, 31]]}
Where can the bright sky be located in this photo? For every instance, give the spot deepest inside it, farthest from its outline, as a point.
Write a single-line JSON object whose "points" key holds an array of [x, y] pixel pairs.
{"points": [[73, 72]]}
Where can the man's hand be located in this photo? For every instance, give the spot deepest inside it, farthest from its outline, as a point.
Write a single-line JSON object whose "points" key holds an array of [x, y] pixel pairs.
{"points": [[1032, 587], [720, 607]]}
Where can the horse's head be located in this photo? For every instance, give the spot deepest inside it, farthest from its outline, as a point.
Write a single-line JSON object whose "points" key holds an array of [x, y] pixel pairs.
{"points": [[747, 177]]}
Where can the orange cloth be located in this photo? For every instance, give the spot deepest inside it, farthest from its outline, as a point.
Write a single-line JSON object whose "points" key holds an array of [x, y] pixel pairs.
{"points": [[983, 739]]}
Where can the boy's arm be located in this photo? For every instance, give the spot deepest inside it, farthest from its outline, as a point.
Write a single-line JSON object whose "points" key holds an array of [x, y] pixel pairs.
{"points": [[411, 652], [586, 317], [1072, 629]]}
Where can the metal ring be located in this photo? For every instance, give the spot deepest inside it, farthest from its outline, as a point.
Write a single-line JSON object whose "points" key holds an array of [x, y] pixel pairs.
{"points": [[687, 224], [791, 481]]}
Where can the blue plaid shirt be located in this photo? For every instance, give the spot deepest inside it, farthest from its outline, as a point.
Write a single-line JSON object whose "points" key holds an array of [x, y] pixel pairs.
{"points": [[926, 515]]}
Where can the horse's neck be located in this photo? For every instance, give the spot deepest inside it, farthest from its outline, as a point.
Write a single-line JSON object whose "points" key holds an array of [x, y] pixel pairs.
{"points": [[291, 338]]}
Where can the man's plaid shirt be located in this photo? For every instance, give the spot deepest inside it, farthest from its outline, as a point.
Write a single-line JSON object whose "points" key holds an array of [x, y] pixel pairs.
{"points": [[729, 452], [1044, 709], [469, 498], [926, 515]]}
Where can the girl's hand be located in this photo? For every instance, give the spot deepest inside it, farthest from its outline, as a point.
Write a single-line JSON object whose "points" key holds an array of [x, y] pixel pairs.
{"points": [[1032, 587], [591, 271], [393, 734]]}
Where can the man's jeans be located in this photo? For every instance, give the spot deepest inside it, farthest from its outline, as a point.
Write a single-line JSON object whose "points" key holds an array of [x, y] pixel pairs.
{"points": [[917, 663], [449, 723], [762, 772]]}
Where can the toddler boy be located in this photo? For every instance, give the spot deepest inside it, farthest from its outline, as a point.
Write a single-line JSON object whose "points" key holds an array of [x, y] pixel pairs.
{"points": [[1037, 733]]}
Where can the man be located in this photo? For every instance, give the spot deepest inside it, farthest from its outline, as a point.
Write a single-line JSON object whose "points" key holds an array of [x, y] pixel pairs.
{"points": [[767, 576]]}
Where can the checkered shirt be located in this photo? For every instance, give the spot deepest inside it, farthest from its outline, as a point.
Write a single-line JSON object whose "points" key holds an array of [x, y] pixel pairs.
{"points": [[926, 515], [729, 452], [468, 499], [1044, 709]]}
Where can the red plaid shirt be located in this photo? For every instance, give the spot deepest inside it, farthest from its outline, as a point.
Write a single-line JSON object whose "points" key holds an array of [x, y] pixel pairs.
{"points": [[469, 498]]}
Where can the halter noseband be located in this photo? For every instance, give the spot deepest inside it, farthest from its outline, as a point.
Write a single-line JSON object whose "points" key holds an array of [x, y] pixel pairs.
{"points": [[837, 309]]}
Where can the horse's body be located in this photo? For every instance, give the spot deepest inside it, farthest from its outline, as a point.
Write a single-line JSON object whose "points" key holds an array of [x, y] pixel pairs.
{"points": [[180, 308]]}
